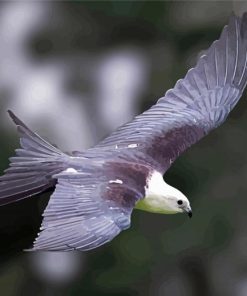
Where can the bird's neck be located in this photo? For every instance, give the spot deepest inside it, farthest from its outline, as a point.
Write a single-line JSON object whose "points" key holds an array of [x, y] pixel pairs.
{"points": [[157, 194]]}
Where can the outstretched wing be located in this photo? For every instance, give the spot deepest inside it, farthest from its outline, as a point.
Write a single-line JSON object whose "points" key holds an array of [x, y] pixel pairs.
{"points": [[197, 104], [85, 211]]}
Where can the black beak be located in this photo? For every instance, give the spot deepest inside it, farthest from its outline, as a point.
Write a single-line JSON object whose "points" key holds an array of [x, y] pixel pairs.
{"points": [[189, 213]]}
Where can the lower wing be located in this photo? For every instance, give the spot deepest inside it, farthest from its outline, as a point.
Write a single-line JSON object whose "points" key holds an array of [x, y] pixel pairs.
{"points": [[85, 212]]}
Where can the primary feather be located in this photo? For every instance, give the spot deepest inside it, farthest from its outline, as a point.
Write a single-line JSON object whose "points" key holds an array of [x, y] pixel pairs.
{"points": [[197, 104]]}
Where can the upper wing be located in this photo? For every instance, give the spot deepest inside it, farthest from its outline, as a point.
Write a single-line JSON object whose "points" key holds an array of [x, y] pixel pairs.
{"points": [[86, 210], [196, 105]]}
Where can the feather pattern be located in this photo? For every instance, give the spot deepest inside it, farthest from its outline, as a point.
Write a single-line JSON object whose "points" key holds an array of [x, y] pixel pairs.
{"points": [[197, 104], [85, 211]]}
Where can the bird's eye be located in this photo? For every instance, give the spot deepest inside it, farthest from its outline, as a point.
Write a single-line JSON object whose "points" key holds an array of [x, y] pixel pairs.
{"points": [[180, 202]]}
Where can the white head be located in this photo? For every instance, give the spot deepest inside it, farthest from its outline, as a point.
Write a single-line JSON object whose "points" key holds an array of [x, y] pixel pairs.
{"points": [[163, 198]]}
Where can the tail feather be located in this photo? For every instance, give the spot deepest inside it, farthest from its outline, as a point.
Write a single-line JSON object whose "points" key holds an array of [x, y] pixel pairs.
{"points": [[32, 168], [32, 141]]}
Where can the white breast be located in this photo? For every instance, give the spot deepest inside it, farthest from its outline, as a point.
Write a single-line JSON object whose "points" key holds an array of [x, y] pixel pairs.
{"points": [[156, 185]]}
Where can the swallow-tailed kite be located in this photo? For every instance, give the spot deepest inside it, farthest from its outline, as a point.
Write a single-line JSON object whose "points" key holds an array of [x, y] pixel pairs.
{"points": [[96, 191]]}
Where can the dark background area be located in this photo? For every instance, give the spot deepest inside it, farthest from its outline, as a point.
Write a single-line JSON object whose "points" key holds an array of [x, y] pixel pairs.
{"points": [[74, 71]]}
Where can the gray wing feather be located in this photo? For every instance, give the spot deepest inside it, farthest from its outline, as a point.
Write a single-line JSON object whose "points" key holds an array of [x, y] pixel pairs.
{"points": [[197, 104], [80, 214], [77, 235]]}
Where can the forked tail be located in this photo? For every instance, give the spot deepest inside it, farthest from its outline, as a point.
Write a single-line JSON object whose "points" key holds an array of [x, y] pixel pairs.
{"points": [[31, 169]]}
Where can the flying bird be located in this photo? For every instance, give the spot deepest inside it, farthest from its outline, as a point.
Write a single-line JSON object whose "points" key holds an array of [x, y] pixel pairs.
{"points": [[95, 191]]}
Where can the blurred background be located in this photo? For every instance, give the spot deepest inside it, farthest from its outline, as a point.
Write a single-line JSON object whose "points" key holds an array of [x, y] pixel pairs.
{"points": [[74, 71]]}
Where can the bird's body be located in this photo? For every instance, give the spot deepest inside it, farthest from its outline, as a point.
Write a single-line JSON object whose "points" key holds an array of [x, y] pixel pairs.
{"points": [[96, 190]]}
